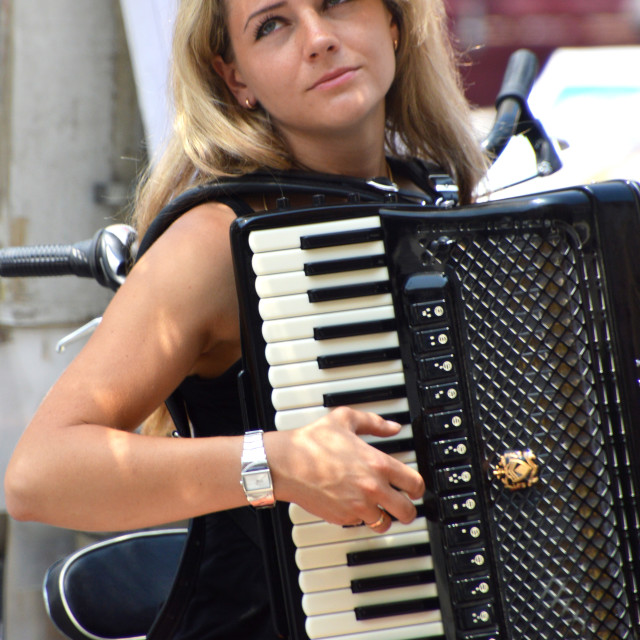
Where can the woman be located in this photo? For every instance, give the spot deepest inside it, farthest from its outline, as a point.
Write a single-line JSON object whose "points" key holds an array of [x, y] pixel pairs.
{"points": [[258, 84]]}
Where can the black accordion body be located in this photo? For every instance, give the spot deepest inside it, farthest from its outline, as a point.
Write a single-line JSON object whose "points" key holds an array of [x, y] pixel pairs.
{"points": [[505, 336]]}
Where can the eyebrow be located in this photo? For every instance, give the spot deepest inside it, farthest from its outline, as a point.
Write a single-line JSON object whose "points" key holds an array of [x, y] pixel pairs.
{"points": [[275, 5]]}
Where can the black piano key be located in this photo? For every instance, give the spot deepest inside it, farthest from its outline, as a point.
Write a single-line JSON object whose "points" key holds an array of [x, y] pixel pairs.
{"points": [[401, 552], [375, 394], [401, 417], [324, 267], [354, 329], [396, 608], [358, 357], [394, 581], [420, 511], [339, 238], [394, 446], [360, 290]]}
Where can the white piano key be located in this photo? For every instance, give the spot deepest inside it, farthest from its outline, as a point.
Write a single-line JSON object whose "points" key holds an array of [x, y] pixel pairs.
{"points": [[305, 373], [428, 630], [299, 305], [294, 328], [289, 237], [296, 418], [298, 515], [335, 624], [290, 351], [319, 533], [312, 394], [335, 601], [340, 577], [406, 457], [335, 554], [284, 284], [295, 259]]}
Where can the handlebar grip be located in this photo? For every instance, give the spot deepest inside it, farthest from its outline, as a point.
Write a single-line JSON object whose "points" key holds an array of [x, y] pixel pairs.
{"points": [[44, 260], [519, 77]]}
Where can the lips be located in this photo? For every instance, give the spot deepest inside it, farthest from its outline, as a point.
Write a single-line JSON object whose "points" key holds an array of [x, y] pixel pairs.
{"points": [[334, 77]]}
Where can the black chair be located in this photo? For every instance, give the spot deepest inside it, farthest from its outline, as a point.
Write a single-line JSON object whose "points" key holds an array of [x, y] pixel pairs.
{"points": [[113, 590]]}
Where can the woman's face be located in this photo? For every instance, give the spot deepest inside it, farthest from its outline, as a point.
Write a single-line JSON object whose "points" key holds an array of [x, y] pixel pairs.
{"points": [[318, 67]]}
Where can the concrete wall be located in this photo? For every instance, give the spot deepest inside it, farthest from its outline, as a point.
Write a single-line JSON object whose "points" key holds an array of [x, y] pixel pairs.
{"points": [[69, 124]]}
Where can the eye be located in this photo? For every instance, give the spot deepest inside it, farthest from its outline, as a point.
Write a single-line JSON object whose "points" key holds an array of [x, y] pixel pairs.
{"points": [[334, 3], [267, 25]]}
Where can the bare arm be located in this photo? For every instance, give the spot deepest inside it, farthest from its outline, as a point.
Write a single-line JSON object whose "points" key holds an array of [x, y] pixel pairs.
{"points": [[79, 464]]}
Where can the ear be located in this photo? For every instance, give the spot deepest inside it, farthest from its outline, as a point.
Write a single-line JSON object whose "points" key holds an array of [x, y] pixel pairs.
{"points": [[395, 30], [232, 78]]}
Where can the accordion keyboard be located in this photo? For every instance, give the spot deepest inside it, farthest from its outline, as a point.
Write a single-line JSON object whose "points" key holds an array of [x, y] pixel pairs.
{"points": [[328, 322]]}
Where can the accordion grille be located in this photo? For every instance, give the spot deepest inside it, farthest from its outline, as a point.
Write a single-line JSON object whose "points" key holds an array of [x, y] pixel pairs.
{"points": [[535, 343]]}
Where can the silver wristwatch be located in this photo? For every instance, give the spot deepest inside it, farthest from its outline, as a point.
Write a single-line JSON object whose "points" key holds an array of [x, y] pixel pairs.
{"points": [[255, 476]]}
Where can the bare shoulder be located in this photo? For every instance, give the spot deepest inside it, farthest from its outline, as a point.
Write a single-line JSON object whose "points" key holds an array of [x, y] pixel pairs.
{"points": [[202, 232], [189, 269]]}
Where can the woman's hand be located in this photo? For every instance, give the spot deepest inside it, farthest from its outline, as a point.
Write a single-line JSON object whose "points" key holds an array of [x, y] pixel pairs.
{"points": [[331, 472]]}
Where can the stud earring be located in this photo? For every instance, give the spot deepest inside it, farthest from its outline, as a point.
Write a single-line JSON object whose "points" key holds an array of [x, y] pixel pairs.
{"points": [[395, 45], [251, 107]]}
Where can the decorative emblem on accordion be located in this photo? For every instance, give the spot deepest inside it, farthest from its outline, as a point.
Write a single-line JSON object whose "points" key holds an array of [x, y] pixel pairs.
{"points": [[517, 469]]}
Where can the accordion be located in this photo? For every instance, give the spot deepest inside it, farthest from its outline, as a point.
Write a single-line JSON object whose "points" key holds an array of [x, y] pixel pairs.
{"points": [[505, 337]]}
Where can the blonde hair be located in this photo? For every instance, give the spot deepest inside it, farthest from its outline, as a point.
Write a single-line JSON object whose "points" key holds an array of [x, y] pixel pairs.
{"points": [[213, 136]]}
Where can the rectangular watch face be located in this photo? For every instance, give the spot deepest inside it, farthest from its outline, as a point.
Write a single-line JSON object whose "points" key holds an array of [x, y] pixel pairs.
{"points": [[256, 480]]}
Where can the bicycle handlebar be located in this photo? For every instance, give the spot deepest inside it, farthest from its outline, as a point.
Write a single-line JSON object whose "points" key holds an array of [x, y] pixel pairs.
{"points": [[106, 258]]}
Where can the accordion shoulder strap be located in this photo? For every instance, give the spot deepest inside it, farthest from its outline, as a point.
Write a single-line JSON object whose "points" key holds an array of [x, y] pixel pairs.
{"points": [[425, 176]]}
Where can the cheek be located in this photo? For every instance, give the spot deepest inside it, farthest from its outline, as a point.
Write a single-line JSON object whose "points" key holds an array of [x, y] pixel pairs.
{"points": [[271, 83]]}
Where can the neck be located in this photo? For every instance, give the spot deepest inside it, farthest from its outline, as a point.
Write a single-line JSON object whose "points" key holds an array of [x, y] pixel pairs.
{"points": [[357, 165], [354, 153]]}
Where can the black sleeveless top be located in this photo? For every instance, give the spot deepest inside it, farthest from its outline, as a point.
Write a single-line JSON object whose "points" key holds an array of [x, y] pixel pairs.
{"points": [[220, 591]]}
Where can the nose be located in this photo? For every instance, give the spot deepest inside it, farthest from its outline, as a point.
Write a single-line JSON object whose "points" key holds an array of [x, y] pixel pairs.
{"points": [[319, 37]]}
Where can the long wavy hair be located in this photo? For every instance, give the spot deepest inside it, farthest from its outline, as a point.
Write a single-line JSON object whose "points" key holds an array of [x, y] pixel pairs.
{"points": [[213, 136], [428, 116]]}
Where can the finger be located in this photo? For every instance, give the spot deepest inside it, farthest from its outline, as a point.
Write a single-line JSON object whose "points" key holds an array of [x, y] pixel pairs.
{"points": [[365, 423], [406, 479], [399, 506]]}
